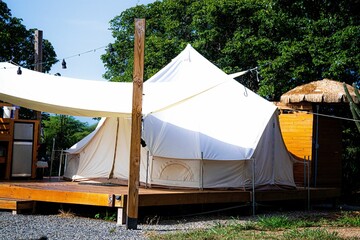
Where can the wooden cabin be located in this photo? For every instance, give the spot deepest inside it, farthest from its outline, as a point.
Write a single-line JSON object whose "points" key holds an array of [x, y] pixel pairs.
{"points": [[310, 133], [18, 147]]}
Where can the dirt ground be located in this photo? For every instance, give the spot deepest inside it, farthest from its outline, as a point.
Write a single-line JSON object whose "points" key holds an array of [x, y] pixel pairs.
{"points": [[346, 232]]}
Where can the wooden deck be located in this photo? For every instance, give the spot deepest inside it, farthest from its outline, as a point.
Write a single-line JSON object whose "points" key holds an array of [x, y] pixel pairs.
{"points": [[57, 191]]}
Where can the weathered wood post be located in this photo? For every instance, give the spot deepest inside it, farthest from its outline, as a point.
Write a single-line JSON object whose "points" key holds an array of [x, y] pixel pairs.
{"points": [[38, 57], [134, 166]]}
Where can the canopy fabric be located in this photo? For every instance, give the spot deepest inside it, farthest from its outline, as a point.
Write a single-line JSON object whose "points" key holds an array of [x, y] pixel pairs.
{"points": [[224, 122], [210, 126], [62, 95], [78, 97]]}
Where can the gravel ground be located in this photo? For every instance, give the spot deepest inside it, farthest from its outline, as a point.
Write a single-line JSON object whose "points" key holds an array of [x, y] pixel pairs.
{"points": [[30, 226], [68, 226]]}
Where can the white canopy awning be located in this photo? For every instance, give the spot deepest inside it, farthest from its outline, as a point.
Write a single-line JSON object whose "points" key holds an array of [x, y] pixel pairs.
{"points": [[78, 97]]}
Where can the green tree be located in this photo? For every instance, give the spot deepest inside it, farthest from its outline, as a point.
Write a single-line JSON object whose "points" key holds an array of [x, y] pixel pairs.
{"points": [[17, 45], [17, 42], [66, 130], [291, 42]]}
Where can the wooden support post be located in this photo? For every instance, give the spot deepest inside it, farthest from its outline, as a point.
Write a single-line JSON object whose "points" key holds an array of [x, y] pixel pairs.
{"points": [[38, 61], [38, 55], [38, 50], [121, 213], [134, 166]]}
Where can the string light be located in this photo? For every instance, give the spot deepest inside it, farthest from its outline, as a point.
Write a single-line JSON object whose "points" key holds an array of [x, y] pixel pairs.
{"points": [[63, 64], [325, 115], [19, 72]]}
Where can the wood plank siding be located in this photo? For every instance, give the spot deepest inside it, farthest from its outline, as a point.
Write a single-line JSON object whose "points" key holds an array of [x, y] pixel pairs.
{"points": [[297, 132]]}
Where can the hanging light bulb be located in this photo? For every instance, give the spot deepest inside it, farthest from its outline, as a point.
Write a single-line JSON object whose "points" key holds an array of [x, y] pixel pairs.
{"points": [[19, 72], [63, 64]]}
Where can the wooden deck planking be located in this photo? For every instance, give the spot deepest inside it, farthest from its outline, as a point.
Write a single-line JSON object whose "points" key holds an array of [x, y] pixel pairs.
{"points": [[15, 205], [56, 195], [115, 196]]}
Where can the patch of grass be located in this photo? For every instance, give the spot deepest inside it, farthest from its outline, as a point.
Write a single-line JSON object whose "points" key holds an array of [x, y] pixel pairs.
{"points": [[271, 227], [351, 219], [274, 222], [106, 216], [310, 234], [284, 222], [212, 234]]}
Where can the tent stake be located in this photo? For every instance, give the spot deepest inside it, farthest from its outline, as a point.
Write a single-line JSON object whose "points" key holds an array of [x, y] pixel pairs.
{"points": [[134, 165]]}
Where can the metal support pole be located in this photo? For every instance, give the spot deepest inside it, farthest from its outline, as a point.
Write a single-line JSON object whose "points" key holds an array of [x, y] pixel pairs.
{"points": [[316, 146], [305, 175], [60, 162], [308, 182], [65, 162], [253, 186], [201, 173], [147, 169], [52, 157]]}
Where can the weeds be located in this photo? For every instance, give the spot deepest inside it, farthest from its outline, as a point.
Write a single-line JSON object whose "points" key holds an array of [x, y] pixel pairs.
{"points": [[106, 216], [349, 220], [66, 214], [310, 234], [274, 222], [273, 227]]}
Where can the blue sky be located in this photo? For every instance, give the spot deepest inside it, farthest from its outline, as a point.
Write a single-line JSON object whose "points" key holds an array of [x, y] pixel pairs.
{"points": [[74, 27]]}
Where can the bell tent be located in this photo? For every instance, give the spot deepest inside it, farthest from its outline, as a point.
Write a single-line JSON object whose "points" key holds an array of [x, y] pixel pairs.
{"points": [[201, 129]]}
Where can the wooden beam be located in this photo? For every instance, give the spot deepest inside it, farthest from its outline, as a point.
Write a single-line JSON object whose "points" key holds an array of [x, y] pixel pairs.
{"points": [[56, 195], [134, 166], [38, 50], [38, 63]]}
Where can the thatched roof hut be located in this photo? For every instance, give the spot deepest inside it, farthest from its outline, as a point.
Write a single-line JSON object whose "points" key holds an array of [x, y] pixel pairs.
{"points": [[322, 91], [316, 135]]}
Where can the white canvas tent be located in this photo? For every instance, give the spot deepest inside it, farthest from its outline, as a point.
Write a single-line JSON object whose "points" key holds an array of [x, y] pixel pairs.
{"points": [[202, 129], [206, 140]]}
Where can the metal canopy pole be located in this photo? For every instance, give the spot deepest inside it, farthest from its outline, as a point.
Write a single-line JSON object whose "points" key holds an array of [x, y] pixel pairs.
{"points": [[253, 186], [316, 146]]}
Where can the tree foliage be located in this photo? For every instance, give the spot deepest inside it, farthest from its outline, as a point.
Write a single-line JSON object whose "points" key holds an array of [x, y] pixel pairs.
{"points": [[17, 42], [17, 45], [66, 130], [291, 43]]}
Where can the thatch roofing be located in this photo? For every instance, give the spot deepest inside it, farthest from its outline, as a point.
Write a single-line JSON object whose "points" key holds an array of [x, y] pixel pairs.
{"points": [[322, 91]]}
